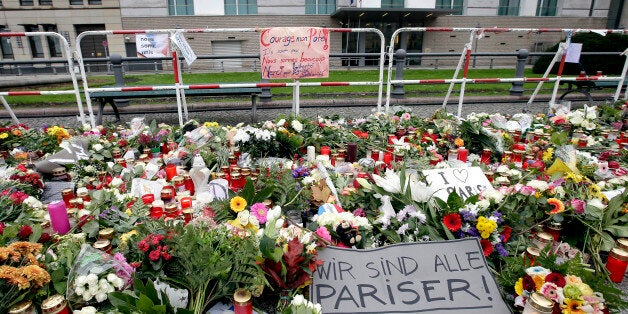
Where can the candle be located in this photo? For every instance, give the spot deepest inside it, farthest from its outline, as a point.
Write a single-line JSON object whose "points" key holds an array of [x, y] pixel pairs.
{"points": [[157, 209], [486, 156], [616, 264], [171, 171], [186, 202], [311, 153], [452, 154], [59, 217], [388, 157], [463, 153], [148, 199], [242, 303], [538, 304], [554, 229], [325, 150], [67, 195], [352, 152]]}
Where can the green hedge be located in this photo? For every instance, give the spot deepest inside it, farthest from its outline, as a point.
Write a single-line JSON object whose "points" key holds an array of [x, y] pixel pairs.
{"points": [[591, 42]]}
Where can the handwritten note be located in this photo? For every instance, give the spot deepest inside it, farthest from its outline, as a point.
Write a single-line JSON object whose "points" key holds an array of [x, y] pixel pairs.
{"points": [[464, 181], [439, 277], [294, 52], [152, 45]]}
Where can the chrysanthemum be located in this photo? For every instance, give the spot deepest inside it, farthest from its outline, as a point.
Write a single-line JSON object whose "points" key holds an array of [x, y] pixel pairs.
{"points": [[557, 206], [237, 204], [459, 142], [452, 222]]}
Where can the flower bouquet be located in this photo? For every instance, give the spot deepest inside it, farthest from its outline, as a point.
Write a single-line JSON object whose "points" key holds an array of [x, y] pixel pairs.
{"points": [[21, 277]]}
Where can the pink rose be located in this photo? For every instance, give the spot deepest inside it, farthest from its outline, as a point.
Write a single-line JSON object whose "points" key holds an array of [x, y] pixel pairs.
{"points": [[578, 205], [527, 190], [323, 233]]}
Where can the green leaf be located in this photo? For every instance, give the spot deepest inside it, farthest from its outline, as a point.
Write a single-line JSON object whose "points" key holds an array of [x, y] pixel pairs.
{"points": [[151, 292], [159, 309], [37, 231], [144, 304], [607, 242], [454, 201], [91, 228], [248, 192], [618, 231]]}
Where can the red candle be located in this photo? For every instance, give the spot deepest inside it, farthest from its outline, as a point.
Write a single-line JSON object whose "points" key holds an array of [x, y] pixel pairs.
{"points": [[186, 202], [352, 152], [189, 184], [67, 195], [325, 150], [188, 213], [171, 171], [616, 264], [388, 157], [486, 156], [242, 303], [148, 199], [157, 209], [375, 154], [463, 153]]}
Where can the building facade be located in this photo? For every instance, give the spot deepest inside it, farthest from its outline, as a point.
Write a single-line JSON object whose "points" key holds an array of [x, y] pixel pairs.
{"points": [[70, 17]]}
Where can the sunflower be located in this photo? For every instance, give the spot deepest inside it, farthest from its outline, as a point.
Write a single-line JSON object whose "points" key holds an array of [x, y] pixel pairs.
{"points": [[557, 206], [572, 306], [237, 204]]}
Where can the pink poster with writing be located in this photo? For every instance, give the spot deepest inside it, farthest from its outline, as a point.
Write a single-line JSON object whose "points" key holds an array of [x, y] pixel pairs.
{"points": [[294, 52]]}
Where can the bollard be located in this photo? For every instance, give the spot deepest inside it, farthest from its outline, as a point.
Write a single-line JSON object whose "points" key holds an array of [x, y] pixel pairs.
{"points": [[517, 87], [266, 95], [400, 57], [118, 74]]}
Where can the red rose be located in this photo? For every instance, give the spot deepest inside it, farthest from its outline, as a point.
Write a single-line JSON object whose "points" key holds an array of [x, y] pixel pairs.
{"points": [[166, 256], [143, 246], [528, 283], [506, 234], [613, 164], [25, 232], [1, 227], [45, 237], [154, 255], [135, 264]]}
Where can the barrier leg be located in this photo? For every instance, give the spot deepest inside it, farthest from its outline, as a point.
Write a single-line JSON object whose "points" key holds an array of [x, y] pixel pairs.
{"points": [[558, 76], [295, 98], [620, 84], [465, 74], [8, 108], [463, 56]]}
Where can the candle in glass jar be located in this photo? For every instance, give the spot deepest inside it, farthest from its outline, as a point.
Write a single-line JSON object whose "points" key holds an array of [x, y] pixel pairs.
{"points": [[486, 156], [148, 199], [67, 195], [157, 209], [171, 171], [452, 154], [186, 202], [463, 154], [538, 304], [616, 264], [388, 157], [55, 304], [242, 303], [311, 153], [59, 217], [352, 152]]}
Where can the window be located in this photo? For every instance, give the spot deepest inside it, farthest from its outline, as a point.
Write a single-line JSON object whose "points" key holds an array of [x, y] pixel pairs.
{"points": [[76, 2], [181, 7], [94, 1], [320, 6], [392, 4], [240, 7], [546, 8], [5, 46], [26, 2], [54, 47], [34, 42], [45, 2], [455, 5], [508, 7]]}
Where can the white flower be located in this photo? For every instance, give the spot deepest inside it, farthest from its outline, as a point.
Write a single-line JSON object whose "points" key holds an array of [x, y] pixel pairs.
{"points": [[101, 297], [386, 211], [89, 169], [306, 238], [116, 182], [318, 309], [103, 284], [93, 289], [419, 190], [243, 217], [80, 281], [86, 310], [92, 279], [97, 147], [111, 277], [281, 122], [33, 202], [483, 203], [296, 125], [539, 185], [589, 125], [596, 202], [273, 213], [493, 195], [560, 191], [87, 296], [79, 290], [298, 300], [391, 182]]}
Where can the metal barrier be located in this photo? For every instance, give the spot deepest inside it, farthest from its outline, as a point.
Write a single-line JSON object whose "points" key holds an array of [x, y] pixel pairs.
{"points": [[464, 60], [68, 55], [180, 88]]}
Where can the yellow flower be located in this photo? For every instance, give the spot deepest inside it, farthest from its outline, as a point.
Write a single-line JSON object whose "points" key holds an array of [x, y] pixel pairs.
{"points": [[237, 204], [485, 235], [538, 282], [519, 286], [557, 206], [4, 135], [572, 306], [459, 142], [211, 124], [548, 154], [124, 238]]}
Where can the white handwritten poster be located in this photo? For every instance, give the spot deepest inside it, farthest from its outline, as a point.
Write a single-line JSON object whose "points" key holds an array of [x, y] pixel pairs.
{"points": [[294, 52], [465, 181], [425, 277], [152, 45]]}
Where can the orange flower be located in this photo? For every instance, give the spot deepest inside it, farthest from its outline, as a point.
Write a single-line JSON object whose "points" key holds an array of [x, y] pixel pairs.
{"points": [[459, 142], [36, 274], [572, 307], [557, 206], [538, 282]]}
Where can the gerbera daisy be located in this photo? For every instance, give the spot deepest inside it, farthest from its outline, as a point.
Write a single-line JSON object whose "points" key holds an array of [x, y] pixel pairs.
{"points": [[237, 204], [259, 210], [557, 206], [556, 278], [487, 247], [572, 306], [452, 222]]}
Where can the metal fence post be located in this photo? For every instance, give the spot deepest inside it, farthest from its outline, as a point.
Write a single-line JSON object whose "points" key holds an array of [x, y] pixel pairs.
{"points": [[517, 87], [266, 95], [118, 74], [400, 57]]}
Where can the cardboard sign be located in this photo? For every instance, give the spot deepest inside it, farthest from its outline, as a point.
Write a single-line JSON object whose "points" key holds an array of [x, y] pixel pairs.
{"points": [[152, 45], [294, 52], [184, 47], [439, 277], [465, 181]]}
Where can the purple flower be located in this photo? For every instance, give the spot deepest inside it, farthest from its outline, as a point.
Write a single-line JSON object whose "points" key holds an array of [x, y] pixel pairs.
{"points": [[300, 172], [501, 250], [467, 215], [473, 232], [123, 269], [498, 215], [359, 212]]}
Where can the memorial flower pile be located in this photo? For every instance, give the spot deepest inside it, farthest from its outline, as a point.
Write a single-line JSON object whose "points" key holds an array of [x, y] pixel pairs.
{"points": [[207, 209]]}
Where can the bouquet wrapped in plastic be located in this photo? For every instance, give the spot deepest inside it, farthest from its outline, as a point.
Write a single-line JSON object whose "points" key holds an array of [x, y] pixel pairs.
{"points": [[96, 273]]}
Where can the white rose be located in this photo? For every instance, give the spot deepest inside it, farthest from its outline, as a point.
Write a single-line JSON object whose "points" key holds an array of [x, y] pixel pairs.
{"points": [[80, 281], [116, 182], [296, 125], [87, 296], [100, 297], [281, 122], [79, 290], [298, 300], [483, 204], [92, 279], [97, 147]]}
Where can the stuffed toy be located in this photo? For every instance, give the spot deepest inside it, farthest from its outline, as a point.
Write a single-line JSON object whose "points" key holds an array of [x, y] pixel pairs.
{"points": [[348, 234]]}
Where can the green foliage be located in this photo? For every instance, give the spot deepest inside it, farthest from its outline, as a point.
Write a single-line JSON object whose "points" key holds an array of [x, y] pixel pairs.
{"points": [[475, 138], [608, 64], [143, 299]]}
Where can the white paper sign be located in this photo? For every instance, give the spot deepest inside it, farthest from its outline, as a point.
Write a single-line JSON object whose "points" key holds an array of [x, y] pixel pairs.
{"points": [[184, 47], [425, 277], [573, 53], [219, 189], [465, 181], [152, 45]]}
